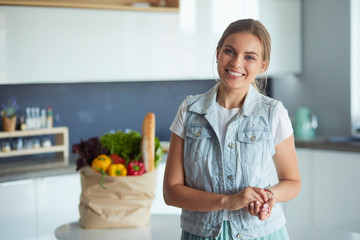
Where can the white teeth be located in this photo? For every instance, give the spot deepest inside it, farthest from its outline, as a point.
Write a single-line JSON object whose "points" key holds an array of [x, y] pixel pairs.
{"points": [[236, 74]]}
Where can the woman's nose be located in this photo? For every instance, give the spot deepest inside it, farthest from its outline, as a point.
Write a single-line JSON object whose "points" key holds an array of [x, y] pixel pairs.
{"points": [[237, 61]]}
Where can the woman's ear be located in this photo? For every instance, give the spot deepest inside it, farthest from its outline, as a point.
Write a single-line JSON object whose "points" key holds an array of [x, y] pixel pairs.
{"points": [[217, 53], [264, 66]]}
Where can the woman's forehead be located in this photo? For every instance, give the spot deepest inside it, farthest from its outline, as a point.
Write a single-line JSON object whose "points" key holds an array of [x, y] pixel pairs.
{"points": [[244, 40]]}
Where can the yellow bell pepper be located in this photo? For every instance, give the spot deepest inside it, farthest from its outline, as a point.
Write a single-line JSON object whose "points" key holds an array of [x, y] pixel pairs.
{"points": [[101, 163], [116, 170]]}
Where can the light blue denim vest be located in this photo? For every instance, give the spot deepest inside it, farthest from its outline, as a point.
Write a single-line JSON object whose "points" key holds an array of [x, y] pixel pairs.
{"points": [[245, 161]]}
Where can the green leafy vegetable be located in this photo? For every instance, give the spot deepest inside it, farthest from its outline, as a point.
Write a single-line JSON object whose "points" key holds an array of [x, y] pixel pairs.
{"points": [[126, 145]]}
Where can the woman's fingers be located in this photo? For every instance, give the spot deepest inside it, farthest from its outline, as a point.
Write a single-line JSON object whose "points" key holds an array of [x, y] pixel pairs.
{"points": [[255, 195], [265, 212], [261, 193], [260, 203], [265, 209], [257, 207], [254, 208]]}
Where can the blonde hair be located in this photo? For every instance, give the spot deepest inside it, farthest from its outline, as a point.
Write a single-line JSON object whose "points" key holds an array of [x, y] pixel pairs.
{"points": [[256, 28]]}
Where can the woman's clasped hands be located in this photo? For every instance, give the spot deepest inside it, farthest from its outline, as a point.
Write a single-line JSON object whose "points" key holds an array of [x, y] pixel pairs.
{"points": [[262, 209], [256, 201]]}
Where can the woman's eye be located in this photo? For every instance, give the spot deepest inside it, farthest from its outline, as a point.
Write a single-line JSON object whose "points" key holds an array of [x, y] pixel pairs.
{"points": [[250, 58], [228, 51]]}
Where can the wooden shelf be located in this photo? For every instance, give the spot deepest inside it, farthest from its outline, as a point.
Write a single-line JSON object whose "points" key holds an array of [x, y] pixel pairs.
{"points": [[33, 151], [170, 5], [60, 146], [35, 132]]}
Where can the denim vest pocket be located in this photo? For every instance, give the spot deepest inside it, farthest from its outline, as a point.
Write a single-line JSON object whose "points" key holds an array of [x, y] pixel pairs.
{"points": [[251, 146], [198, 142]]}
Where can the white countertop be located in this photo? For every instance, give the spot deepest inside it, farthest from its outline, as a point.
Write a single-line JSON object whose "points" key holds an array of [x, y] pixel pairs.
{"points": [[161, 227], [165, 227]]}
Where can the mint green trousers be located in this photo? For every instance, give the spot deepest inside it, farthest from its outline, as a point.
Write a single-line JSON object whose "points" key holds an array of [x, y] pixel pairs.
{"points": [[226, 234]]}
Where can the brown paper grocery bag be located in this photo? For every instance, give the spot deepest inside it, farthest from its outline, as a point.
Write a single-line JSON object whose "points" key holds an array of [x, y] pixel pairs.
{"points": [[125, 203]]}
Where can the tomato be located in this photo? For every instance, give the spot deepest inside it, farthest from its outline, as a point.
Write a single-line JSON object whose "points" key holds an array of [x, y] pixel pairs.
{"points": [[117, 159]]}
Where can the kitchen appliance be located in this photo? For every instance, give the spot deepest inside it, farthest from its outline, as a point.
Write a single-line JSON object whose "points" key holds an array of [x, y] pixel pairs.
{"points": [[305, 124]]}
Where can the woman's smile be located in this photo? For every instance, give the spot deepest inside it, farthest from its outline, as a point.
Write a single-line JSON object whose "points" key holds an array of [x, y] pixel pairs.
{"points": [[234, 74]]}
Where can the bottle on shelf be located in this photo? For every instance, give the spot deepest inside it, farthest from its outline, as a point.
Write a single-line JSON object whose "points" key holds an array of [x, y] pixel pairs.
{"points": [[49, 119], [36, 143], [28, 144], [37, 118], [23, 125], [43, 118], [28, 118], [19, 144], [33, 118]]}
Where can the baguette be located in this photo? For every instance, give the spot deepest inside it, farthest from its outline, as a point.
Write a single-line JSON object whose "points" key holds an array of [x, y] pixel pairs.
{"points": [[147, 146]]}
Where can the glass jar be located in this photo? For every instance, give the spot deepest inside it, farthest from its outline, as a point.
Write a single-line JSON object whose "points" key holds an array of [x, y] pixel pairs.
{"points": [[36, 143], [46, 142], [5, 147]]}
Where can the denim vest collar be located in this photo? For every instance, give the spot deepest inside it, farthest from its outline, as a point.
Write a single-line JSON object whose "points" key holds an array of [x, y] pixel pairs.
{"points": [[206, 103]]}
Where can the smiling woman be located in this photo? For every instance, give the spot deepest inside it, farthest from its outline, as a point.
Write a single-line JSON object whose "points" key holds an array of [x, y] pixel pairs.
{"points": [[231, 135]]}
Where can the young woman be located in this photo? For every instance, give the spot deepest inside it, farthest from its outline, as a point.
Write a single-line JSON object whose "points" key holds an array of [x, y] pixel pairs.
{"points": [[223, 143]]}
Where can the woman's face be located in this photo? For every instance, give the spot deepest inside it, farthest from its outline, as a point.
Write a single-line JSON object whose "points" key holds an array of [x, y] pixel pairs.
{"points": [[240, 60]]}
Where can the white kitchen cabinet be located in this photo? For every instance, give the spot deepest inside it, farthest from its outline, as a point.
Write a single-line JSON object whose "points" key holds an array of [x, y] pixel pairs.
{"points": [[336, 190], [283, 20], [330, 190], [86, 45], [299, 210], [32, 209], [17, 210], [57, 203]]}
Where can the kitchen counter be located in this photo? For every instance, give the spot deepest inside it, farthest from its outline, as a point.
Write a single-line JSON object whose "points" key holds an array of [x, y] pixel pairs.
{"points": [[347, 144], [168, 227], [51, 171]]}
